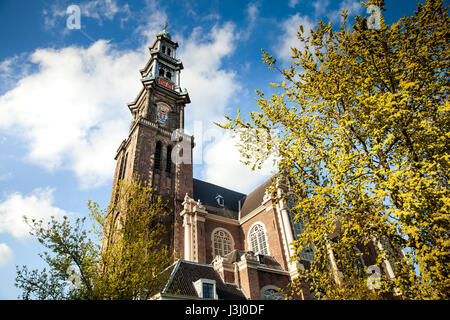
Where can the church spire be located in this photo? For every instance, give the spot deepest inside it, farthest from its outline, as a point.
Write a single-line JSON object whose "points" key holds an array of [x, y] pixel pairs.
{"points": [[163, 65], [164, 31]]}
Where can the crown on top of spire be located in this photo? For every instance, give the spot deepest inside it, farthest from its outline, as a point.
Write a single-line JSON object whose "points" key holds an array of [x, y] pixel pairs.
{"points": [[164, 31]]}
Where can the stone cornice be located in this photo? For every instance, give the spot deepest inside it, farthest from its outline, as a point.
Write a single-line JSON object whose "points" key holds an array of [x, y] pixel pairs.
{"points": [[221, 219], [252, 214]]}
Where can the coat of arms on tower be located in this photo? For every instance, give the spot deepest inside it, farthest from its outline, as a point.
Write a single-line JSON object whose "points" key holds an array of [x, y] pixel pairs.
{"points": [[162, 113]]}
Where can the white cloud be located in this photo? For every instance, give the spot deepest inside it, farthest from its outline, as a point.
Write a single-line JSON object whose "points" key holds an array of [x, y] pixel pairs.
{"points": [[252, 13], [72, 112], [6, 254], [103, 9], [151, 20], [210, 86], [320, 7], [13, 69], [354, 7], [289, 37], [212, 89], [290, 26], [99, 10], [223, 166], [37, 205], [293, 3]]}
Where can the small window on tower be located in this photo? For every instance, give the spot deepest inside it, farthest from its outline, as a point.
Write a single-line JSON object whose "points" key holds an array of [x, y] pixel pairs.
{"points": [[124, 166], [169, 159], [169, 52], [161, 72], [158, 156], [168, 75], [163, 49]]}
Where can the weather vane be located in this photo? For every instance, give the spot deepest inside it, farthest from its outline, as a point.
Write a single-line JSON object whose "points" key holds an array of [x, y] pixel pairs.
{"points": [[165, 26]]}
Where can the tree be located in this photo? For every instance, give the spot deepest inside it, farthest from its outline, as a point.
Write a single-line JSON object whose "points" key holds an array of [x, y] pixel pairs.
{"points": [[72, 262], [361, 132], [134, 253], [130, 263]]}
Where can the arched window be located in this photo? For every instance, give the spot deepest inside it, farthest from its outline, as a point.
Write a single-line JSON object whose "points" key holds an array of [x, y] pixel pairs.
{"points": [[271, 293], [258, 240], [169, 52], [121, 167], [161, 72], [168, 75], [163, 49], [299, 227], [169, 159], [158, 155], [222, 242]]}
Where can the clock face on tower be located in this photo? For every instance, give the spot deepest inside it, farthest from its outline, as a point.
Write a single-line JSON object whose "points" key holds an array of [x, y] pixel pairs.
{"points": [[162, 113]]}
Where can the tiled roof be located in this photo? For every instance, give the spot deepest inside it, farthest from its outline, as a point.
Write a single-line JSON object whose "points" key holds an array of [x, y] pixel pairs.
{"points": [[207, 193], [186, 272]]}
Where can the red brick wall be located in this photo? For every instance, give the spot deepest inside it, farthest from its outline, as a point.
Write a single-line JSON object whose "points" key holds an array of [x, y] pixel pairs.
{"points": [[274, 279], [250, 283], [234, 231]]}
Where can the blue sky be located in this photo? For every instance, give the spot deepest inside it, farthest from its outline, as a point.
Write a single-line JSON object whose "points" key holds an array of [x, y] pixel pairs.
{"points": [[63, 95]]}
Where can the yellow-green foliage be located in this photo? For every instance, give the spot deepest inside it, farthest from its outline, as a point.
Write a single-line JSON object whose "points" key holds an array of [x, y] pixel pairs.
{"points": [[363, 122], [133, 252], [130, 263]]}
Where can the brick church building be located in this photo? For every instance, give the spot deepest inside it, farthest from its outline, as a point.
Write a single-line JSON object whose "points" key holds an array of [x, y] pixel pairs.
{"points": [[227, 245]]}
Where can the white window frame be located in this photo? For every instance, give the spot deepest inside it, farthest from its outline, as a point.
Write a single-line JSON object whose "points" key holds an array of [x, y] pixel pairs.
{"points": [[212, 240], [304, 254], [198, 285], [265, 238], [220, 200]]}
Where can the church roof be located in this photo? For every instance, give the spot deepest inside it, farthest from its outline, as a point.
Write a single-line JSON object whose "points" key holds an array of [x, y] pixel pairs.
{"points": [[185, 273], [209, 195], [255, 198], [233, 201]]}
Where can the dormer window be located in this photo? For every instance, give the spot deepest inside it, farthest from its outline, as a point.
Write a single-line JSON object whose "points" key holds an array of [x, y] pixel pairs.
{"points": [[220, 200], [206, 288], [207, 291]]}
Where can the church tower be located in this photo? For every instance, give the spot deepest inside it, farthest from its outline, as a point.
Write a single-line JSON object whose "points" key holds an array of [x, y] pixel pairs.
{"points": [[156, 149]]}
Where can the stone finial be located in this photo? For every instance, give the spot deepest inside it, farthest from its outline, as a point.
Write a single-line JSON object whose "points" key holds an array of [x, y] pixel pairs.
{"points": [[267, 196], [200, 205], [249, 256], [218, 261]]}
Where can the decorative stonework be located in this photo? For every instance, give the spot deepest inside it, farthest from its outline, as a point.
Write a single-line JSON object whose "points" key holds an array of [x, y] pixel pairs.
{"points": [[249, 256], [267, 196], [199, 206]]}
